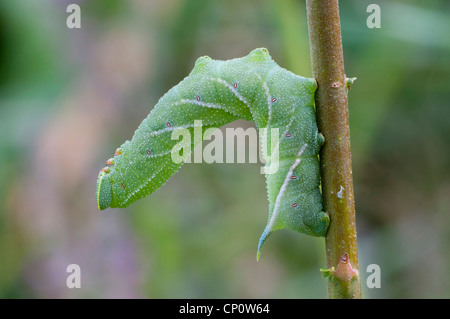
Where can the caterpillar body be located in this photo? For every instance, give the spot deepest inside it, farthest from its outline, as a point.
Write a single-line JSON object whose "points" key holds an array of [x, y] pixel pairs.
{"points": [[253, 88]]}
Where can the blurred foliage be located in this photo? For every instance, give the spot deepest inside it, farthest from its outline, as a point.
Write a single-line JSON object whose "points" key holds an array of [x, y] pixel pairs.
{"points": [[69, 97]]}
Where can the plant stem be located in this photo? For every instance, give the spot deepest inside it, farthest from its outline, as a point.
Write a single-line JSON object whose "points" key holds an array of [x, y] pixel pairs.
{"points": [[335, 157]]}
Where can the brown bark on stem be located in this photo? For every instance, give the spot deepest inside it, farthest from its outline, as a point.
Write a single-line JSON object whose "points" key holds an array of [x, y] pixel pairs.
{"points": [[335, 157]]}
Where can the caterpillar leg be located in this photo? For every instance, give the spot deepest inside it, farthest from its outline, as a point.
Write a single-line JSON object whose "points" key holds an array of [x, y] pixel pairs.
{"points": [[318, 223], [320, 139]]}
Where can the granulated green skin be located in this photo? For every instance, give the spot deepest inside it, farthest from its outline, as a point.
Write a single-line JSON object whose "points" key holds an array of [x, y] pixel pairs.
{"points": [[252, 88]]}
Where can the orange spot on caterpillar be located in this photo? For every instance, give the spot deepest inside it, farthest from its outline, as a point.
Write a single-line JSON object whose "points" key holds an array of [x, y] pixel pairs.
{"points": [[118, 152], [198, 97], [288, 135], [293, 177], [168, 124], [123, 187], [235, 85], [148, 152], [294, 205], [105, 169], [110, 161], [274, 99]]}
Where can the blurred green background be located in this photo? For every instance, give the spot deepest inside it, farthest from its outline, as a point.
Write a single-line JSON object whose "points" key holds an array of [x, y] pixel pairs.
{"points": [[69, 97]]}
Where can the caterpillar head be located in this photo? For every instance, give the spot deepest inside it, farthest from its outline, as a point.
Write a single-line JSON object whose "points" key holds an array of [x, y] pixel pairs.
{"points": [[104, 189]]}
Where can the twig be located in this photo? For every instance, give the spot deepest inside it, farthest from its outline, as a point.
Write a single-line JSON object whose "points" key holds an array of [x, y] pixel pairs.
{"points": [[336, 169]]}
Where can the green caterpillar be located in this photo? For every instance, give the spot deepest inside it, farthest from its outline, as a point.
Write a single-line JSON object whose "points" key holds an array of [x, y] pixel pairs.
{"points": [[216, 92]]}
